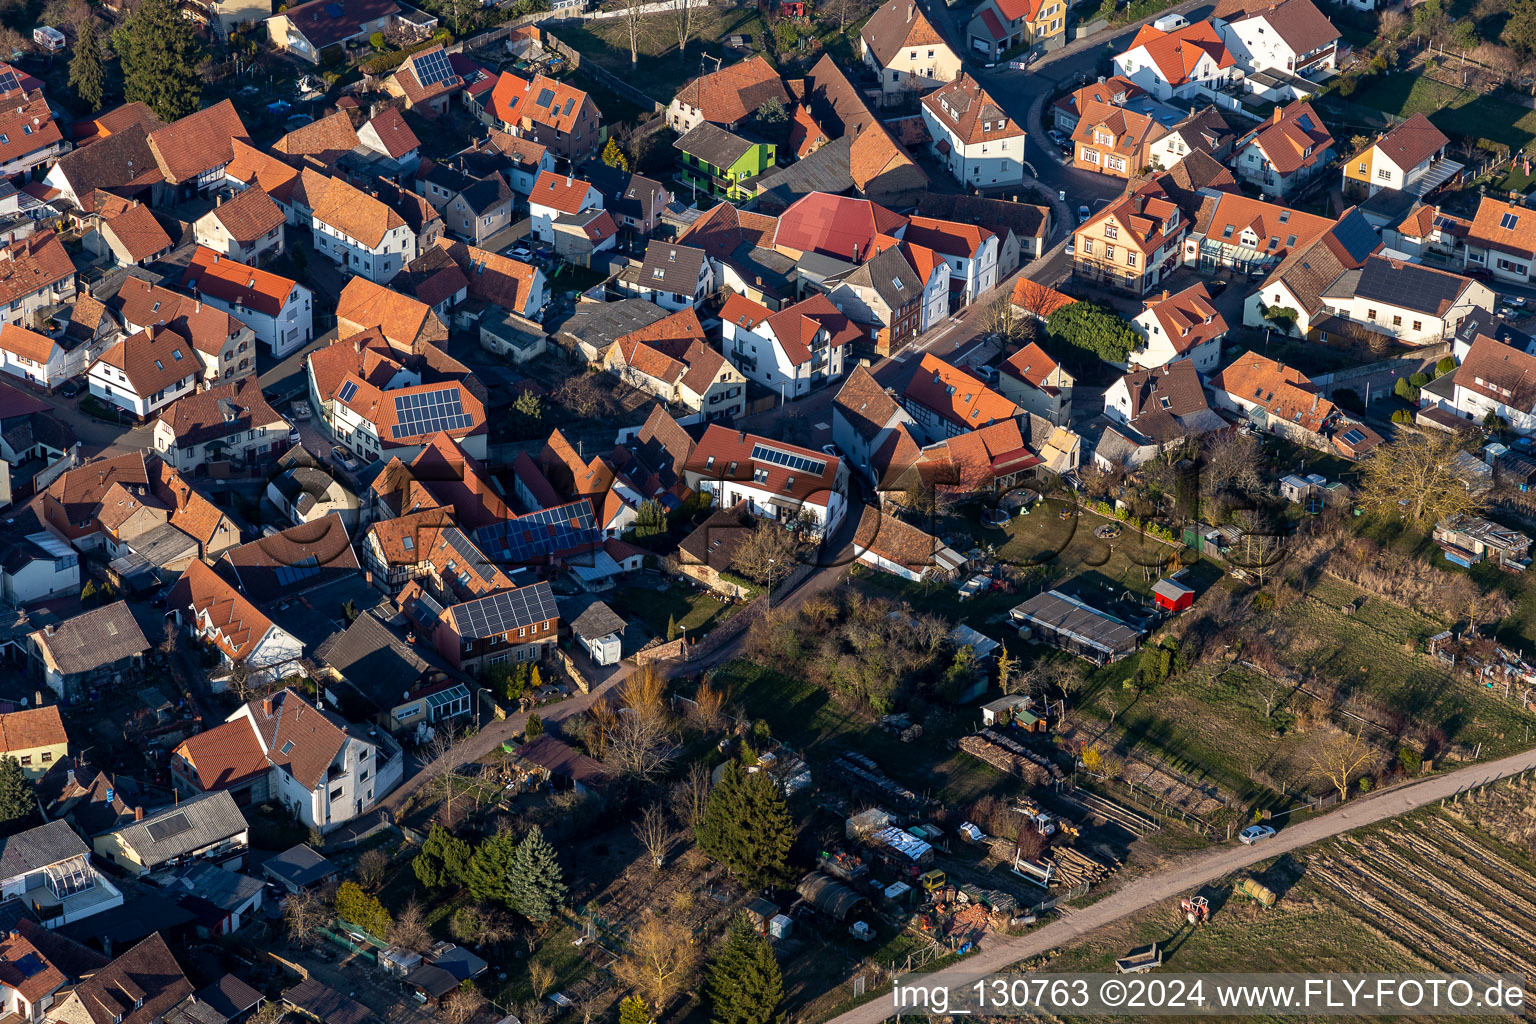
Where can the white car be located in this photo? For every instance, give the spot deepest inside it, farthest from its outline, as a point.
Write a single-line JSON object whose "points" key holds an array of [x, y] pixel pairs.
{"points": [[977, 584], [1255, 834], [1072, 248]]}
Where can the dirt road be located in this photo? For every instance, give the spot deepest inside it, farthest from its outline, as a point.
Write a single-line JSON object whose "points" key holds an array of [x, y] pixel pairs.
{"points": [[1001, 952]]}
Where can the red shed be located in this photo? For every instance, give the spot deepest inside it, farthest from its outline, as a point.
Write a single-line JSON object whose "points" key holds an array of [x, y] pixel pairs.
{"points": [[1172, 595]]}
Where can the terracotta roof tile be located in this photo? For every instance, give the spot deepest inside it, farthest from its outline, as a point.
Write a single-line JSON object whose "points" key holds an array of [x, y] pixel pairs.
{"points": [[1177, 53], [32, 728], [154, 359], [966, 109], [1285, 393], [560, 192], [733, 94], [249, 216], [135, 228], [197, 143], [1411, 143], [1293, 139], [326, 139], [355, 213], [1188, 318], [394, 133], [1504, 227], [402, 319], [255, 166], [235, 625], [236, 284], [31, 264], [27, 344], [956, 395], [224, 756]]}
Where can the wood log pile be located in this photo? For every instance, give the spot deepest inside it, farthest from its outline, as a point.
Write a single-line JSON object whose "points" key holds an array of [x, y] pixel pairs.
{"points": [[1004, 760], [1073, 868]]}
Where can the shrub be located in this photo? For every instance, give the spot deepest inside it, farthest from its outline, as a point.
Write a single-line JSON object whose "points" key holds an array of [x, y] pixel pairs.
{"points": [[1445, 366], [1418, 380], [376, 41], [1410, 760]]}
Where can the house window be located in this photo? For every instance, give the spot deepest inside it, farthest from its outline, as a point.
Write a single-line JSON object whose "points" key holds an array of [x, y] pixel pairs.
{"points": [[26, 758], [336, 793], [1130, 258], [1088, 246], [1418, 325], [1370, 314], [47, 756], [1111, 231], [1109, 252]]}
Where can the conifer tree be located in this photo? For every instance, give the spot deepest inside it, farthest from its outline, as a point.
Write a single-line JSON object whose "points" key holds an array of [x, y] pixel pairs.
{"points": [[86, 75], [746, 826], [744, 983], [633, 1010], [160, 56], [489, 873], [536, 884]]}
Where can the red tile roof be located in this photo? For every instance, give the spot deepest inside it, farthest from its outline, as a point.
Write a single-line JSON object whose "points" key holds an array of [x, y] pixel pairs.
{"points": [[197, 143], [234, 624], [1177, 53], [236, 284], [1285, 393], [798, 326], [1504, 227], [726, 454], [837, 226], [394, 133], [967, 110], [956, 395], [561, 192], [154, 359], [949, 237], [32, 728], [733, 94], [224, 756], [31, 264], [249, 216], [1188, 318]]}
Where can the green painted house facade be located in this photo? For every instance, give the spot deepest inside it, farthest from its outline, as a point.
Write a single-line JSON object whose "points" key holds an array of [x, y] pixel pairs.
{"points": [[717, 162]]}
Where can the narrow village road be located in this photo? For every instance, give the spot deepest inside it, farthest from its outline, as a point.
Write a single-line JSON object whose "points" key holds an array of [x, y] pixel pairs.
{"points": [[998, 953]]}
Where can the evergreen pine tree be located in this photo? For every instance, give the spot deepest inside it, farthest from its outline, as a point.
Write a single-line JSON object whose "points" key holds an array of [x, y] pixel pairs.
{"points": [[86, 75], [744, 984], [633, 1010], [160, 55], [746, 826], [536, 884], [534, 729], [443, 860], [535, 681], [672, 632], [15, 791], [489, 873]]}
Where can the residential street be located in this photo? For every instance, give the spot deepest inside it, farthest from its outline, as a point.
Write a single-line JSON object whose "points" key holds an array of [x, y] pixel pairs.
{"points": [[998, 953]]}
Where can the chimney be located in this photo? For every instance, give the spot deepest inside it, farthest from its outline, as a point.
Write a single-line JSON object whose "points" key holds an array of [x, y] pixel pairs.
{"points": [[1165, 294], [138, 814], [1277, 115], [48, 629], [218, 200], [911, 8], [266, 706]]}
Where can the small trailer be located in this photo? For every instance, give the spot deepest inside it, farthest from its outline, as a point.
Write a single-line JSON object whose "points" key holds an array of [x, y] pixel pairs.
{"points": [[1143, 958]]}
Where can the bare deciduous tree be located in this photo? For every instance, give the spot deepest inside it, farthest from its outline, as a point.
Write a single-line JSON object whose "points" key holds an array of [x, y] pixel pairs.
{"points": [[683, 10], [372, 866], [660, 961], [768, 555], [541, 978], [303, 912], [709, 707], [1415, 477], [690, 793], [655, 834], [638, 742], [462, 1004], [1341, 759], [270, 1012], [445, 756], [410, 929]]}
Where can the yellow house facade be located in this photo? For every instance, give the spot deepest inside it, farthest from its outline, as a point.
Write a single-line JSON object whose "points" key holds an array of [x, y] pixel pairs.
{"points": [[36, 738]]}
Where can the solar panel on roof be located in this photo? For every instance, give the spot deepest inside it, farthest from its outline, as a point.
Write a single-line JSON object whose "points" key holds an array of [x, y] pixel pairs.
{"points": [[538, 535], [1353, 437], [510, 609], [302, 569], [169, 827], [432, 68], [30, 965], [545, 96], [569, 103], [429, 412], [348, 389], [762, 453], [8, 82]]}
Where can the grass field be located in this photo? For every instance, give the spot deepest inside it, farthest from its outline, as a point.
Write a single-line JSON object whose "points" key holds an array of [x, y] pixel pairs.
{"points": [[694, 610], [663, 70], [1457, 112], [804, 716]]}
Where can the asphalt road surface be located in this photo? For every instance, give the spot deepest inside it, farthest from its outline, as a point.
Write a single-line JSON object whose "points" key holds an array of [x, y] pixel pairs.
{"points": [[998, 953]]}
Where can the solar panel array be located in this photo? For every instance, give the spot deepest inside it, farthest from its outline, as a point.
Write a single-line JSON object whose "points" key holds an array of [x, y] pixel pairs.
{"points": [[432, 68], [428, 412], [508, 610], [308, 566], [348, 389], [762, 453], [537, 535], [429, 611], [8, 81], [470, 556], [169, 827]]}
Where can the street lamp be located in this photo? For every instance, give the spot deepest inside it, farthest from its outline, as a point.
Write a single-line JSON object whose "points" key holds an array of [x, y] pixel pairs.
{"points": [[771, 562], [478, 691]]}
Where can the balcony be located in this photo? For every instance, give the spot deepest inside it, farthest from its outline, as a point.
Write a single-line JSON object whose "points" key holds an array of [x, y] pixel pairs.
{"points": [[69, 891]]}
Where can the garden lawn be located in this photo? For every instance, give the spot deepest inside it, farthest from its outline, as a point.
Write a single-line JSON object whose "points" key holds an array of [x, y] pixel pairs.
{"points": [[1457, 112], [662, 69], [805, 717], [695, 610]]}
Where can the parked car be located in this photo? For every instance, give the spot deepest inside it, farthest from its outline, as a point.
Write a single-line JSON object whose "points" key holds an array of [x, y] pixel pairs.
{"points": [[1056, 137], [986, 374], [1255, 834], [300, 410], [342, 456], [520, 254], [977, 584], [1071, 247], [71, 387], [1082, 214]]}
